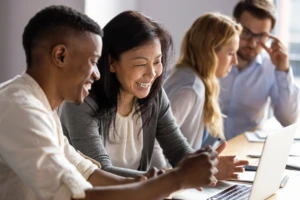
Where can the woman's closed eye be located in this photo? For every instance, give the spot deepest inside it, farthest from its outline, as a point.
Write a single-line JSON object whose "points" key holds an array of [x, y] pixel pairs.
{"points": [[157, 63], [140, 64], [232, 53]]}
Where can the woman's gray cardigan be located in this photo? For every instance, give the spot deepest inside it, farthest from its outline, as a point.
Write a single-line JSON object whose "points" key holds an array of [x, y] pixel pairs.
{"points": [[83, 132]]}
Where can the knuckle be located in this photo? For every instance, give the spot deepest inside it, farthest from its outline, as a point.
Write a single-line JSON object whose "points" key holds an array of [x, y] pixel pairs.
{"points": [[202, 156], [210, 172], [206, 155], [211, 180], [210, 165], [216, 171]]}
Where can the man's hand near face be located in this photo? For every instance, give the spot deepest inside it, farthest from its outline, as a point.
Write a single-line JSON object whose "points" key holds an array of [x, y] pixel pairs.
{"points": [[278, 54]]}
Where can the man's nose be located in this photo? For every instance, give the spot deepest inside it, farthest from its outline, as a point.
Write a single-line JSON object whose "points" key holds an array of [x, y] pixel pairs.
{"points": [[253, 41], [96, 73]]}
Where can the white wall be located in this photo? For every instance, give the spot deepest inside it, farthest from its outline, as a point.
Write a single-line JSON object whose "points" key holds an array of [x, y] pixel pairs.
{"points": [[14, 16], [102, 11], [178, 15]]}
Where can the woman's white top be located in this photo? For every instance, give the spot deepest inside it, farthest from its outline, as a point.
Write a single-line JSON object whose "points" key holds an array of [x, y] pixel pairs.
{"points": [[126, 147]]}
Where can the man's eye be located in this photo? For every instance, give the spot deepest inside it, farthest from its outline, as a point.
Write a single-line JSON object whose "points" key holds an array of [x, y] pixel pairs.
{"points": [[247, 32], [262, 36]]}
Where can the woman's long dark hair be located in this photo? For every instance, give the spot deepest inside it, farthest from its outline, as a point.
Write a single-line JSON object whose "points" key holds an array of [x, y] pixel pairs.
{"points": [[126, 31]]}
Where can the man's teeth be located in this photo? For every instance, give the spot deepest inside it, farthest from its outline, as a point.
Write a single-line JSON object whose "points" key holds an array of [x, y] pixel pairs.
{"points": [[88, 86], [143, 85]]}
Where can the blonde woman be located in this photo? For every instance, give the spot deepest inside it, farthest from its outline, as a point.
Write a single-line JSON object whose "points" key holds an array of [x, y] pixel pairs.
{"points": [[208, 51]]}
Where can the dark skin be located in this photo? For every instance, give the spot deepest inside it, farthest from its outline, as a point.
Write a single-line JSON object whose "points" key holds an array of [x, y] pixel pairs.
{"points": [[65, 68], [196, 170]]}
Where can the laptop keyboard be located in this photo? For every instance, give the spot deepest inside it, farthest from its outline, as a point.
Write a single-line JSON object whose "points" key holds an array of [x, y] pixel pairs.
{"points": [[235, 192]]}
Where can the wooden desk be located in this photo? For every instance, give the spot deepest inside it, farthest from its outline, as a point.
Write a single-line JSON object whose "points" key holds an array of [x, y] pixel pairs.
{"points": [[241, 147]]}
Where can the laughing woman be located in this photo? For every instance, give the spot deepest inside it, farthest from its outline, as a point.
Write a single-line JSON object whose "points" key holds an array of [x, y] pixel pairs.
{"points": [[127, 110]]}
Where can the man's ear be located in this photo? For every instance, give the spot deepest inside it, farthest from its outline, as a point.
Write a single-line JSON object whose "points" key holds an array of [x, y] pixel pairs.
{"points": [[112, 68], [58, 55]]}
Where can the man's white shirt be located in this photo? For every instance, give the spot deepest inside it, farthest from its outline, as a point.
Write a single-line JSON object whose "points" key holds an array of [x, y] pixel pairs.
{"points": [[36, 159]]}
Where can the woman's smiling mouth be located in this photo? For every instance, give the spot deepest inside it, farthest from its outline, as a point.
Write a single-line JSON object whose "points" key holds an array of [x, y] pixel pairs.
{"points": [[143, 85]]}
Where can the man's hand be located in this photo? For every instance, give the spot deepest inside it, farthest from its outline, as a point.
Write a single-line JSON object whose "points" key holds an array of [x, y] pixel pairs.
{"points": [[229, 166], [198, 169], [153, 172], [278, 54]]}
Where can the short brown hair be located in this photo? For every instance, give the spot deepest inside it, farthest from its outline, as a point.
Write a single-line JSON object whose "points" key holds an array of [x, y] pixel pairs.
{"points": [[261, 9]]}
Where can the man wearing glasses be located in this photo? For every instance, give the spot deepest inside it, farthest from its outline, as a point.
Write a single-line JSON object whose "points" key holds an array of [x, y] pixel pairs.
{"points": [[263, 72]]}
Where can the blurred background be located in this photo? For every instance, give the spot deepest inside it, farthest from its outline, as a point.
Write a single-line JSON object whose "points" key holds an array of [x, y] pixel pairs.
{"points": [[176, 15]]}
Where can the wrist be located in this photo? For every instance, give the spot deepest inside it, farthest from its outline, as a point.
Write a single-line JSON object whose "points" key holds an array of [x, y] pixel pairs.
{"points": [[178, 177], [283, 69], [129, 180]]}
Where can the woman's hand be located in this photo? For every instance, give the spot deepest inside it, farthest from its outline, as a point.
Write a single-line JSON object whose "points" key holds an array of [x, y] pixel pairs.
{"points": [[229, 166]]}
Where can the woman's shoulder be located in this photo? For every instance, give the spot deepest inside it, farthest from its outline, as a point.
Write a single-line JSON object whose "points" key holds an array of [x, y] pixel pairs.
{"points": [[89, 101], [183, 78], [88, 105]]}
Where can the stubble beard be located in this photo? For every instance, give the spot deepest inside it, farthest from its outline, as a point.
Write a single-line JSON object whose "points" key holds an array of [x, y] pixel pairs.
{"points": [[243, 60], [244, 57]]}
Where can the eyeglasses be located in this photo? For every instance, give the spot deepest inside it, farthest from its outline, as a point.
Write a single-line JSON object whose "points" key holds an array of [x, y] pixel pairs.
{"points": [[247, 35]]}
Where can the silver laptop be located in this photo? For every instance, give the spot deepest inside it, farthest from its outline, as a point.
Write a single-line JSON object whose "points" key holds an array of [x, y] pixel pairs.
{"points": [[268, 176]]}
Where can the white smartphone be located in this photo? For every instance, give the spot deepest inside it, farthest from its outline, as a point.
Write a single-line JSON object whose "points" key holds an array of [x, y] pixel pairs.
{"points": [[217, 144], [261, 134]]}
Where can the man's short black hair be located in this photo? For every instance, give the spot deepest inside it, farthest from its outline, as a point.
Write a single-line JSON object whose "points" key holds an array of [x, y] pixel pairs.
{"points": [[55, 19]]}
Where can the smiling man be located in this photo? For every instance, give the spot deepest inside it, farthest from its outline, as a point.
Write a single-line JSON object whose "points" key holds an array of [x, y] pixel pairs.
{"points": [[263, 72]]}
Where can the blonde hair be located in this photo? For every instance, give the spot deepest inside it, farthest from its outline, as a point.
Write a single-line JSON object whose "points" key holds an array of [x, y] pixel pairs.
{"points": [[198, 51]]}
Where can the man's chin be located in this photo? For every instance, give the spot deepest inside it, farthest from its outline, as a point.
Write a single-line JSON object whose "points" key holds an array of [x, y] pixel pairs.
{"points": [[75, 101], [246, 57], [78, 102]]}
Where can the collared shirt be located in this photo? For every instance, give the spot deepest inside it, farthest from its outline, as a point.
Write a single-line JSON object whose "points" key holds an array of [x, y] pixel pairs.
{"points": [[36, 160], [244, 96]]}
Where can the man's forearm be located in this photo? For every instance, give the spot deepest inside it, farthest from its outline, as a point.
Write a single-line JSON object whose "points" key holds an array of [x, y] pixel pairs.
{"points": [[102, 178], [196, 170], [153, 189]]}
